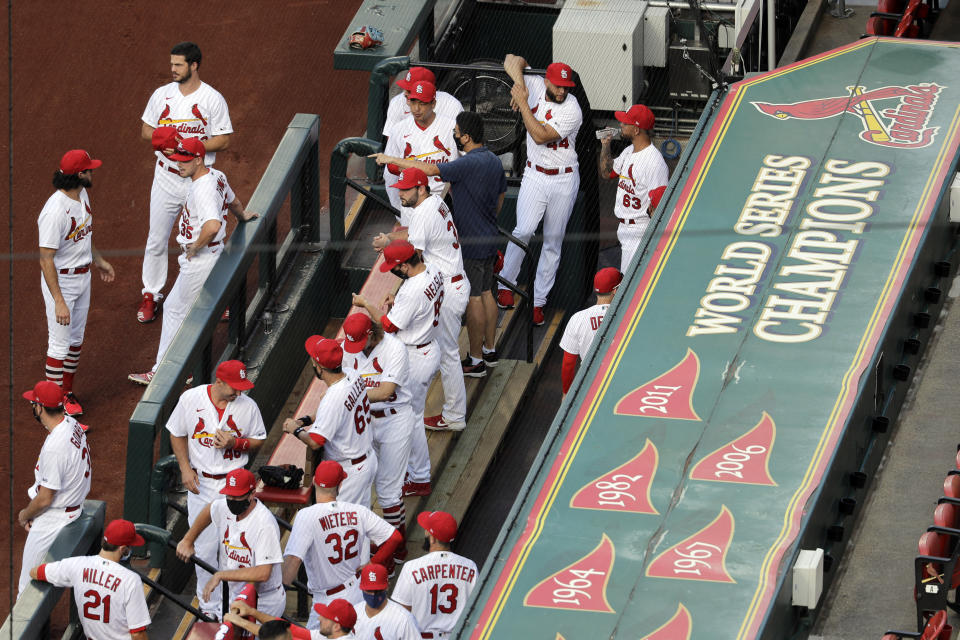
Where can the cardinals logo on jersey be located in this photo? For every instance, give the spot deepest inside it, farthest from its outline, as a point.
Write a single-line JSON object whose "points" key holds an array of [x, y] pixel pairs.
{"points": [[377, 634], [232, 426], [630, 174], [376, 366], [78, 231], [203, 437], [196, 111], [439, 145], [407, 151], [242, 553], [164, 115], [548, 114]]}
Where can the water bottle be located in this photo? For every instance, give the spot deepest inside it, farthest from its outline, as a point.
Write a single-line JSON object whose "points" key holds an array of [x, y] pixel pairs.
{"points": [[609, 132], [267, 322]]}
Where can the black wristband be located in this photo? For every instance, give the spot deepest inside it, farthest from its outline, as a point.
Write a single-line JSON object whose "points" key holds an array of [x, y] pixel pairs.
{"points": [[306, 421], [298, 431]]}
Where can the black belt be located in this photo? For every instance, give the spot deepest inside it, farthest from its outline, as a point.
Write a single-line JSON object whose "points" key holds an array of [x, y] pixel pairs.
{"points": [[383, 414], [550, 171], [75, 270], [71, 509], [170, 169]]}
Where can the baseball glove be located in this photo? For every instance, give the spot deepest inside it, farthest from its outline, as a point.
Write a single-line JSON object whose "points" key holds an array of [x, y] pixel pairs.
{"points": [[165, 138], [366, 37], [284, 476]]}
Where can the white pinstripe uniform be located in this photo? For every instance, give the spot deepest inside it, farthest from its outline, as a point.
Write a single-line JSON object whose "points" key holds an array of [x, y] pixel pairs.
{"points": [[436, 587], [581, 328], [343, 418], [415, 318], [547, 193], [64, 466], [393, 622], [430, 229], [398, 111], [202, 114], [330, 538], [434, 145], [637, 173]]}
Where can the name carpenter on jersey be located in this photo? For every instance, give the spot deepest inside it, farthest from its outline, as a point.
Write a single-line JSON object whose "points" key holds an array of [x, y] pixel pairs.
{"points": [[443, 571]]}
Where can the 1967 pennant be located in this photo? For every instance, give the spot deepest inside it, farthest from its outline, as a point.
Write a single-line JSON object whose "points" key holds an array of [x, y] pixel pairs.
{"points": [[701, 556]]}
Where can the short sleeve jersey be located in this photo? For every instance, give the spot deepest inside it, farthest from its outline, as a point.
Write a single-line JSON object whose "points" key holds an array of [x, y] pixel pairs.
{"points": [[434, 145], [64, 465], [329, 537], [109, 596], [476, 182], [432, 231], [436, 587], [393, 622], [251, 542], [343, 416], [581, 329], [202, 114], [196, 418], [565, 118], [207, 200], [416, 308], [388, 362], [397, 110], [637, 175], [66, 225]]}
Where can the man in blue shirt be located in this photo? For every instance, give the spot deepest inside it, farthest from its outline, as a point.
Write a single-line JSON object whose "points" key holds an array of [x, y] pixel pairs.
{"points": [[477, 185]]}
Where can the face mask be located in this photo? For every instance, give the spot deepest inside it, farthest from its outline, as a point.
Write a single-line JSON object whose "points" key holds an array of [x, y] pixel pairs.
{"points": [[398, 273], [36, 416], [126, 556], [426, 545], [459, 144], [237, 506], [375, 600], [316, 374]]}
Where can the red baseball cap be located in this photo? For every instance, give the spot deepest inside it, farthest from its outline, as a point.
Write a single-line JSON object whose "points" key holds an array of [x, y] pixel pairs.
{"points": [[560, 74], [325, 352], [638, 115], [411, 178], [397, 252], [234, 373], [338, 610], [77, 160], [413, 75], [329, 474], [240, 482], [440, 524], [188, 149], [422, 90], [373, 577], [122, 533], [607, 280], [356, 329], [45, 393]]}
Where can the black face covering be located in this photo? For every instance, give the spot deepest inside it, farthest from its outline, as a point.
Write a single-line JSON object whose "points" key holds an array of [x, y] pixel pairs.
{"points": [[238, 506], [36, 415], [399, 273], [456, 141], [426, 545], [316, 373]]}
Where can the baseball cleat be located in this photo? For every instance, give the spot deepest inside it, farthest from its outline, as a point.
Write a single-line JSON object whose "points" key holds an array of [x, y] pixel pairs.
{"points": [[71, 406], [437, 423], [148, 309], [490, 358], [538, 316], [416, 489], [226, 316], [505, 299], [141, 378], [471, 370]]}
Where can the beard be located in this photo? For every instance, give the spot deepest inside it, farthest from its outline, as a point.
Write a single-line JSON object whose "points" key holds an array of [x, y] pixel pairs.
{"points": [[86, 182], [552, 97], [186, 77]]}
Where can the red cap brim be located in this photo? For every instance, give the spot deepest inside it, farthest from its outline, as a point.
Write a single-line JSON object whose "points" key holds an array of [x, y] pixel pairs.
{"points": [[349, 346], [243, 385]]}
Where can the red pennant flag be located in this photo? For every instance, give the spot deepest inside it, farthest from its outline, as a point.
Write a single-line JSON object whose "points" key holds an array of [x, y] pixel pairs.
{"points": [[582, 586]]}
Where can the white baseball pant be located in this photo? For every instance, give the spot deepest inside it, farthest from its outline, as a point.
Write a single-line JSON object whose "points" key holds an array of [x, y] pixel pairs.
{"points": [[355, 488], [423, 365], [273, 603], [551, 199], [351, 593], [391, 439], [167, 196], [207, 545], [76, 293], [193, 273], [43, 531], [630, 236], [456, 295]]}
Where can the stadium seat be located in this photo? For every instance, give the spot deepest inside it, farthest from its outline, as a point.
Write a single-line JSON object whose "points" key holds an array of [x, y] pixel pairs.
{"points": [[937, 558], [946, 515], [951, 486], [936, 628]]}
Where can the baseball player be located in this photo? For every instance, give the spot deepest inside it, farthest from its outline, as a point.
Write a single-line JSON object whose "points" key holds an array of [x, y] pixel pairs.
{"points": [[336, 621], [378, 617], [249, 544], [413, 315], [424, 135], [109, 596], [583, 325], [201, 236], [214, 429], [184, 108], [61, 477], [549, 187], [641, 175], [343, 416], [66, 253], [329, 537], [430, 229], [435, 587], [382, 361], [398, 109]]}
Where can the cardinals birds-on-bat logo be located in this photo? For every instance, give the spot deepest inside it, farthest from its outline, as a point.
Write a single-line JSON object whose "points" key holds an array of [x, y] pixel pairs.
{"points": [[439, 145], [902, 125], [407, 151], [196, 111], [164, 115], [548, 114]]}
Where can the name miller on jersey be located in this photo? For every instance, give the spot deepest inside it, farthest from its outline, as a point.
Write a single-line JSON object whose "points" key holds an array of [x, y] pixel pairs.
{"points": [[101, 578], [441, 571], [341, 519]]}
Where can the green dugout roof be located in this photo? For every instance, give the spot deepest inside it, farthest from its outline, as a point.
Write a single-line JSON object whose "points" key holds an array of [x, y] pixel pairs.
{"points": [[669, 501]]}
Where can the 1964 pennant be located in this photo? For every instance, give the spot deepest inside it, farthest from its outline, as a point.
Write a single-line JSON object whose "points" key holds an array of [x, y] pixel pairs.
{"points": [[582, 586]]}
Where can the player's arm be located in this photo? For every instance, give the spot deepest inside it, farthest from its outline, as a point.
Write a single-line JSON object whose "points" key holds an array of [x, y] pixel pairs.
{"points": [[376, 314], [146, 132], [188, 476], [139, 635], [256, 573], [383, 239], [217, 143], [242, 214], [381, 393], [38, 505], [568, 370], [207, 233], [242, 609], [291, 568], [225, 439], [606, 160], [106, 269], [406, 163], [185, 546], [53, 284], [514, 66], [239, 622], [541, 133]]}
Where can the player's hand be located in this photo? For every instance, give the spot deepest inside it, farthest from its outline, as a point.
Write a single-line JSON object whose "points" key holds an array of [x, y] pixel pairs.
{"points": [[518, 95], [381, 241], [359, 301], [24, 522], [233, 618], [184, 552], [107, 273], [290, 425], [188, 478], [380, 158], [240, 608], [388, 301], [212, 584], [62, 312], [223, 439], [248, 215]]}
